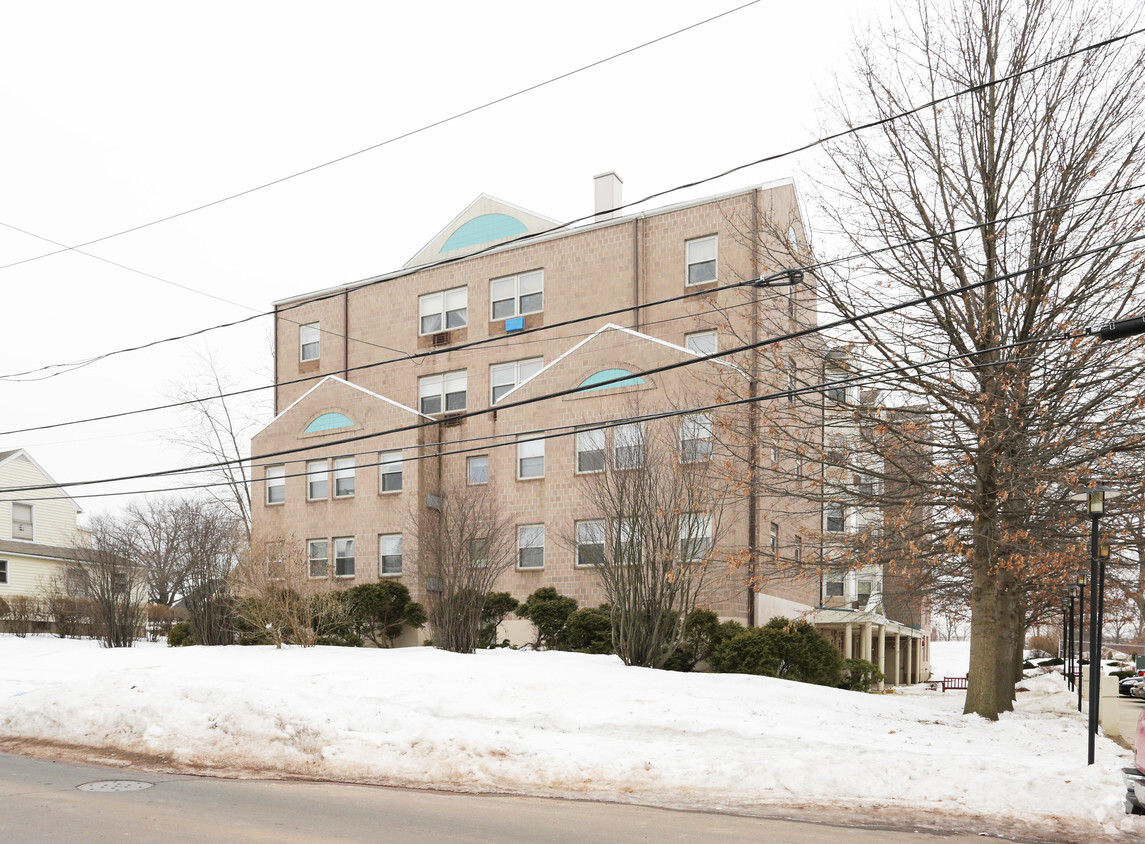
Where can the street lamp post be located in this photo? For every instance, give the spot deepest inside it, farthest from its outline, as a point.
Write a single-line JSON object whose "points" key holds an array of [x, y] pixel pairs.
{"points": [[1071, 659], [1082, 580]]}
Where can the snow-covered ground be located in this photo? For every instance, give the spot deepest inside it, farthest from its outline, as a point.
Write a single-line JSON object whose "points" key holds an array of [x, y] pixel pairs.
{"points": [[571, 725]]}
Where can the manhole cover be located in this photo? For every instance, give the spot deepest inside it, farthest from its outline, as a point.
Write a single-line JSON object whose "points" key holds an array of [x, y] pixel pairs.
{"points": [[104, 786]]}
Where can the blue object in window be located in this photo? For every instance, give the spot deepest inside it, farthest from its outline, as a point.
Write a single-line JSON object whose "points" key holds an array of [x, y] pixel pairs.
{"points": [[593, 382], [516, 323], [328, 422], [484, 229]]}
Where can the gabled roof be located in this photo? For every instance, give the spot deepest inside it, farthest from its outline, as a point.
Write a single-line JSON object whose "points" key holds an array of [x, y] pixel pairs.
{"points": [[487, 220], [19, 453], [611, 326], [346, 383]]}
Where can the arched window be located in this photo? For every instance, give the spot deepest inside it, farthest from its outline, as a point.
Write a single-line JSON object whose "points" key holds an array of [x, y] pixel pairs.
{"points": [[600, 380], [328, 422]]}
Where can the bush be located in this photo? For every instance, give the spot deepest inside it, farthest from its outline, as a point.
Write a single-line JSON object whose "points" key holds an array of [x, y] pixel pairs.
{"points": [[1027, 665], [589, 630], [24, 615], [1121, 675], [180, 635], [4, 610], [1057, 660], [498, 605], [791, 650], [703, 632], [549, 611], [860, 675], [70, 616], [341, 640], [379, 611], [160, 620]]}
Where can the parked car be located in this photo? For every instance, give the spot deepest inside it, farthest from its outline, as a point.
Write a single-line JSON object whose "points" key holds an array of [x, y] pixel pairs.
{"points": [[1127, 684], [1135, 777]]}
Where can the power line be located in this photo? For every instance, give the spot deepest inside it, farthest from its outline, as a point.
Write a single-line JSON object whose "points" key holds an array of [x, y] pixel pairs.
{"points": [[843, 321]]}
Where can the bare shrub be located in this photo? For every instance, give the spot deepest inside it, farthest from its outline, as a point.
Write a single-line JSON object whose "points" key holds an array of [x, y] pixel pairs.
{"points": [[25, 613]]}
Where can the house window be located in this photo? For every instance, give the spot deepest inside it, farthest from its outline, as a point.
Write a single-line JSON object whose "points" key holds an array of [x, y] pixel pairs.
{"points": [[626, 544], [628, 446], [701, 260], [275, 484], [836, 392], [344, 556], [834, 588], [590, 450], [443, 311], [695, 536], [477, 469], [695, 437], [479, 553], [792, 375], [23, 523], [530, 458], [317, 480], [309, 341], [864, 485], [3, 572], [344, 477], [774, 539], [517, 295], [701, 342], [445, 390], [864, 593], [391, 469], [390, 554], [503, 377], [797, 552], [836, 518], [531, 547], [318, 552], [590, 543]]}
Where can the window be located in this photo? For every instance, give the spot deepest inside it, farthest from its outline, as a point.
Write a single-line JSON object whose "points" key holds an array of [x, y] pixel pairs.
{"points": [[317, 480], [317, 550], [443, 311], [479, 553], [701, 342], [23, 524], [590, 450], [835, 391], [530, 458], [344, 556], [503, 377], [389, 554], [275, 484], [626, 545], [478, 469], [695, 536], [834, 588], [792, 375], [774, 539], [344, 477], [391, 469], [3, 571], [517, 295], [590, 543], [628, 446], [864, 594], [531, 547], [446, 390], [309, 341], [836, 518], [797, 553], [695, 437], [701, 260], [864, 485]]}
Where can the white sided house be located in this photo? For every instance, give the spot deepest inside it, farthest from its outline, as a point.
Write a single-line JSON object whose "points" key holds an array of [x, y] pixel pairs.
{"points": [[38, 529]]}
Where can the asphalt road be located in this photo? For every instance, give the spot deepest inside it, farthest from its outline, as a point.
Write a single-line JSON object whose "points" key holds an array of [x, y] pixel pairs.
{"points": [[41, 801]]}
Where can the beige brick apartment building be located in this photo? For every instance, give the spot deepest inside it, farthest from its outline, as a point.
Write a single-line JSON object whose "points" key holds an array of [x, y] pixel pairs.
{"points": [[375, 377]]}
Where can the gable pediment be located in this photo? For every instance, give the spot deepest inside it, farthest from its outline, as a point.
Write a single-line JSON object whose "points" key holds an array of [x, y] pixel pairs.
{"points": [[486, 222]]}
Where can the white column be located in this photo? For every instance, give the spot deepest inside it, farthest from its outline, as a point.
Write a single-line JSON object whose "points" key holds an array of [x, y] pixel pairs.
{"points": [[883, 655], [910, 660], [898, 655], [847, 649], [865, 640]]}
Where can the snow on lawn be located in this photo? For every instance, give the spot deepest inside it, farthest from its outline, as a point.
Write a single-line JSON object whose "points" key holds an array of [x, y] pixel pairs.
{"points": [[571, 725]]}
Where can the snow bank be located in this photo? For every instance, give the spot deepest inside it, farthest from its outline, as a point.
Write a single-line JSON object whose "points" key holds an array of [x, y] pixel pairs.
{"points": [[567, 725]]}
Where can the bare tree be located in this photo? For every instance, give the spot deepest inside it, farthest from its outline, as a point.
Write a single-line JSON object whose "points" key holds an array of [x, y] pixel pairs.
{"points": [[211, 539], [659, 498], [465, 543], [106, 574], [158, 525]]}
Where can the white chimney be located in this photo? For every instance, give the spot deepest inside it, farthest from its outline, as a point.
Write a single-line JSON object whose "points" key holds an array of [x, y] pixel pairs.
{"points": [[607, 187]]}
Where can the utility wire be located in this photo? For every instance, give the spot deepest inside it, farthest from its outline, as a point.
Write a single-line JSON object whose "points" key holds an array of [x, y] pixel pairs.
{"points": [[843, 321]]}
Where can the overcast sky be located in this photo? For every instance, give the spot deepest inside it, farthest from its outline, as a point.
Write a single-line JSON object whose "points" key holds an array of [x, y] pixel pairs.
{"points": [[117, 114]]}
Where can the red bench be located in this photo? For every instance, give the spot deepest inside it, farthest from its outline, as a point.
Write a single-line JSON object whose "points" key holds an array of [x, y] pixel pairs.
{"points": [[953, 683]]}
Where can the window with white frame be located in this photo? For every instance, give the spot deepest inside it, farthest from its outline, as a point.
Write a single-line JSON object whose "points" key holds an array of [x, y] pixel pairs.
{"points": [[626, 542], [318, 554], [864, 591], [3, 572], [590, 542], [695, 536], [309, 341], [517, 295], [503, 377], [390, 467], [530, 457], [23, 521], [701, 260], [797, 552], [275, 484], [443, 311], [317, 480], [833, 588], [701, 342], [477, 469], [344, 477], [695, 437], [628, 446], [835, 391], [442, 392], [836, 518], [344, 556], [774, 540], [531, 547], [590, 450], [865, 485], [479, 553], [390, 554]]}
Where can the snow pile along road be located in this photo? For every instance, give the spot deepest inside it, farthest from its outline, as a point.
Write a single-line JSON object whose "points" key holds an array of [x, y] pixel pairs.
{"points": [[562, 724]]}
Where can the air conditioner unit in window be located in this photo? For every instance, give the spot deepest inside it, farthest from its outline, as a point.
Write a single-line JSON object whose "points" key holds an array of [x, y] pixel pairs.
{"points": [[441, 338], [516, 323]]}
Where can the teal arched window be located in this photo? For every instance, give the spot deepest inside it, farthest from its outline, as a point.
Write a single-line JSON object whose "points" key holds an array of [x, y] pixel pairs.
{"points": [[328, 422], [484, 229], [596, 382]]}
